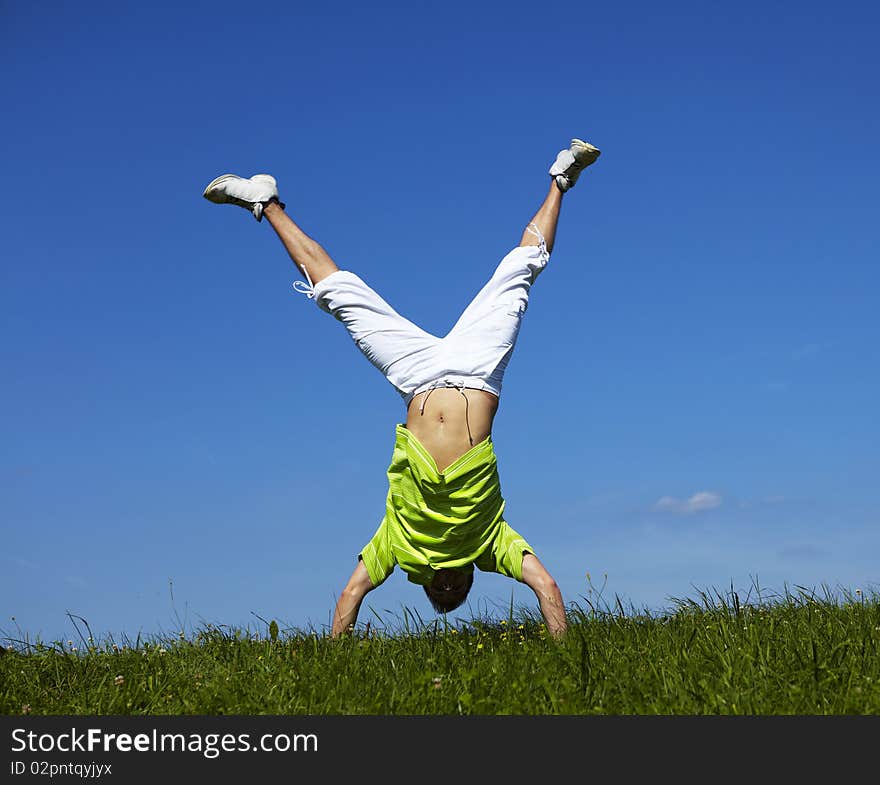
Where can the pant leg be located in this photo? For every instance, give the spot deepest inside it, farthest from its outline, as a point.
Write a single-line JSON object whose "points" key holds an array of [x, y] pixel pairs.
{"points": [[508, 287], [482, 340], [401, 350]]}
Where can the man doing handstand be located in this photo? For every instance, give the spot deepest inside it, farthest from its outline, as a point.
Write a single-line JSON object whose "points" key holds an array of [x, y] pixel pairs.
{"points": [[444, 510]]}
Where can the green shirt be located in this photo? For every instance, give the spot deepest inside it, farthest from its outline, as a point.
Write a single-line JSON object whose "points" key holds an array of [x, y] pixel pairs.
{"points": [[435, 520]]}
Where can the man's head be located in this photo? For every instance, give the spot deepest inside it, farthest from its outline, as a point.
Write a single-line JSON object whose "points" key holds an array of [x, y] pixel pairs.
{"points": [[449, 588]]}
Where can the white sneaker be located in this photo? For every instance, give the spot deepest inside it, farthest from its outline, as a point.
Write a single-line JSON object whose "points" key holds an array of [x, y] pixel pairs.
{"points": [[251, 193], [570, 163]]}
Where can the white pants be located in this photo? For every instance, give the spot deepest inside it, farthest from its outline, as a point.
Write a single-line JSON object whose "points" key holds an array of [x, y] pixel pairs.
{"points": [[473, 354]]}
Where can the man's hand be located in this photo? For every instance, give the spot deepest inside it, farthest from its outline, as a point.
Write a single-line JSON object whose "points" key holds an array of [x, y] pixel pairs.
{"points": [[536, 577], [349, 602]]}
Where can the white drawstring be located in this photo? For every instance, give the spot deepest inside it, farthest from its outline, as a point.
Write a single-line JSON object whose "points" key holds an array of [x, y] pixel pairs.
{"points": [[542, 245], [307, 289], [425, 399], [460, 387], [467, 419]]}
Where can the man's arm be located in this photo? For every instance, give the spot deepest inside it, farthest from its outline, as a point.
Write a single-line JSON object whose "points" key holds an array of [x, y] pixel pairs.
{"points": [[536, 577], [349, 602]]}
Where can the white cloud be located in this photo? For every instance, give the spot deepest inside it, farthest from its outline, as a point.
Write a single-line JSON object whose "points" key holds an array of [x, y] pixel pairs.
{"points": [[810, 349], [703, 500]]}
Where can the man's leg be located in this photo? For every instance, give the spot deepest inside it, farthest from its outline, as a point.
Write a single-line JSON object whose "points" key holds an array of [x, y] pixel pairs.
{"points": [[518, 270], [546, 220], [565, 171], [259, 195], [393, 344], [402, 351], [308, 255]]}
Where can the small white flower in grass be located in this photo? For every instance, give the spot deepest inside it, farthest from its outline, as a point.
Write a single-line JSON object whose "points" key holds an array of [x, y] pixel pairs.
{"points": [[119, 680]]}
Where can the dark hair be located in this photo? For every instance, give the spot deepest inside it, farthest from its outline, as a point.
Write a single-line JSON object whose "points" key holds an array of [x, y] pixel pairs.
{"points": [[444, 606]]}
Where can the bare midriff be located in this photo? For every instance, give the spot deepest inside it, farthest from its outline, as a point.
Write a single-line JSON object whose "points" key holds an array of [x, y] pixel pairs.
{"points": [[453, 421]]}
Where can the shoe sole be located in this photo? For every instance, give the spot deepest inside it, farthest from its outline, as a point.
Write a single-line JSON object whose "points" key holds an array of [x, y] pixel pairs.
{"points": [[215, 182], [580, 146]]}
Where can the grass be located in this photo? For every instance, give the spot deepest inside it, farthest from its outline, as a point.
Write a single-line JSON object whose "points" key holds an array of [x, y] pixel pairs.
{"points": [[798, 653]]}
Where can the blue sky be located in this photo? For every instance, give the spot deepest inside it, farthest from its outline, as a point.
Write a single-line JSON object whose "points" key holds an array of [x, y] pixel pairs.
{"points": [[693, 399]]}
